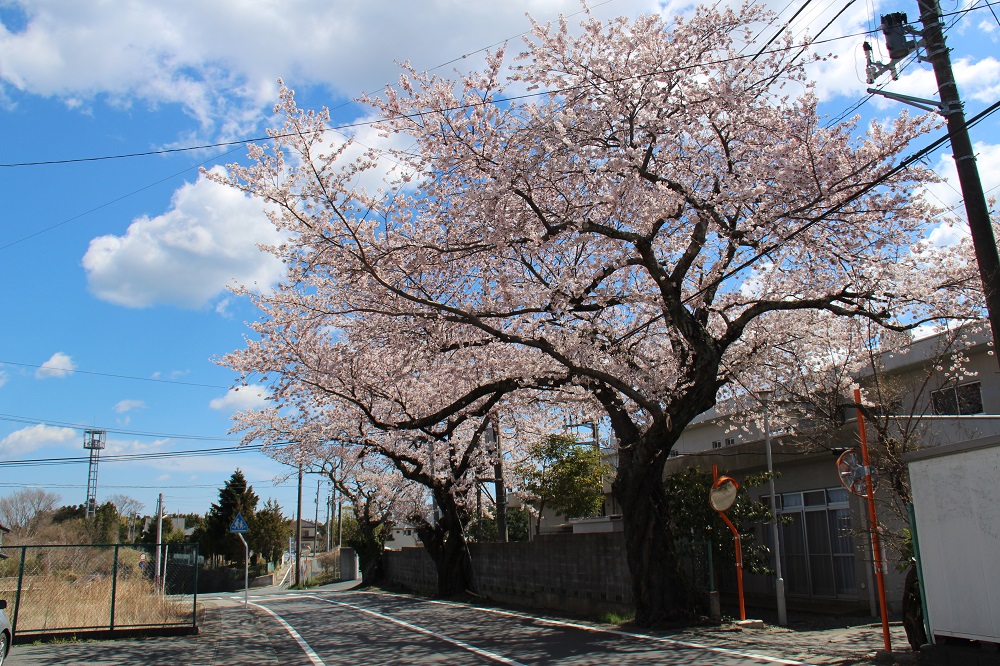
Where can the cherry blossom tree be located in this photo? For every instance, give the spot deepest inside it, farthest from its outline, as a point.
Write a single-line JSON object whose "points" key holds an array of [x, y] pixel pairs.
{"points": [[388, 469], [641, 225], [374, 488]]}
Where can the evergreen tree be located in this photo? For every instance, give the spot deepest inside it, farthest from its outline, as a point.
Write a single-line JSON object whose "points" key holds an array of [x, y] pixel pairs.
{"points": [[269, 532], [236, 497]]}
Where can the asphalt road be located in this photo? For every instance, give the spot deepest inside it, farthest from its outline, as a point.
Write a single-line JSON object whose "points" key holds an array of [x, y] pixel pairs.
{"points": [[379, 628]]}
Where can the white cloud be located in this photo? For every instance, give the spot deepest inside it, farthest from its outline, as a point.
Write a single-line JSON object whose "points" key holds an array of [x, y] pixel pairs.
{"points": [[187, 255], [253, 396], [34, 437], [220, 59], [133, 446], [3, 377], [946, 235], [60, 365], [123, 406], [977, 80]]}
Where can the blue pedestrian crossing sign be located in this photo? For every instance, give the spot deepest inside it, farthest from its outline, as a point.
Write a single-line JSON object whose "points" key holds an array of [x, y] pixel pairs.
{"points": [[239, 525]]}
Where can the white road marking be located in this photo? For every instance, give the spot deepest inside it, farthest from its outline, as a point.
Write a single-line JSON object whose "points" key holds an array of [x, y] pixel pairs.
{"points": [[614, 632], [427, 632], [313, 657]]}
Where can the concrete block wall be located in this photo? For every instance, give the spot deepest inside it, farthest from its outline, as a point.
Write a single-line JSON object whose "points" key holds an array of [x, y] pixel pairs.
{"points": [[582, 574], [412, 568]]}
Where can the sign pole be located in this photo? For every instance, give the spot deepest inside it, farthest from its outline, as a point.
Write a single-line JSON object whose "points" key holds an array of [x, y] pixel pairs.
{"points": [[239, 527], [246, 568]]}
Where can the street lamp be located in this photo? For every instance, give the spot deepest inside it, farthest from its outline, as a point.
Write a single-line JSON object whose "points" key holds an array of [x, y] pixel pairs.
{"points": [[779, 583]]}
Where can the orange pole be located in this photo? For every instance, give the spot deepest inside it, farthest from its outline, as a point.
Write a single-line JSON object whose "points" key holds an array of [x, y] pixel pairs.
{"points": [[739, 563], [739, 551], [876, 542]]}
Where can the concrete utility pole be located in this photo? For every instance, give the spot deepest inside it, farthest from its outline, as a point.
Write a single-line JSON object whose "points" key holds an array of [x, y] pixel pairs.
{"points": [[894, 28], [329, 516], [965, 163], [159, 537], [298, 534], [499, 487], [316, 519], [779, 581]]}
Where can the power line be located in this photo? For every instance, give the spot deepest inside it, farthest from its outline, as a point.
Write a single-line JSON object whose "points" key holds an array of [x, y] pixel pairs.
{"points": [[109, 374], [417, 114], [113, 201], [907, 62], [272, 136], [867, 188], [820, 217], [13, 418], [105, 486], [131, 457]]}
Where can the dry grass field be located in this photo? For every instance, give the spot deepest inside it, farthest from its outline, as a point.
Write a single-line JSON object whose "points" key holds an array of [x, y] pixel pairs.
{"points": [[52, 603]]}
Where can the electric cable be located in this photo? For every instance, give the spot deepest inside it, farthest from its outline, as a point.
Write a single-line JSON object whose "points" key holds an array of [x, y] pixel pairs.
{"points": [[417, 114], [117, 376], [134, 433]]}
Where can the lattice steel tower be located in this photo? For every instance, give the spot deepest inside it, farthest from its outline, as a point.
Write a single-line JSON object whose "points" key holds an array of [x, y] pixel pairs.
{"points": [[94, 441]]}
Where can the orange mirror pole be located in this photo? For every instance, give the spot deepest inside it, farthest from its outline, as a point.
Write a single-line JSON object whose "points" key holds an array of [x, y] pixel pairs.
{"points": [[873, 519], [716, 483]]}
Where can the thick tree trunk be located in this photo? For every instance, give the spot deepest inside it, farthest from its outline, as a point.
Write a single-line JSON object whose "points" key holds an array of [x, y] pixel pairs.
{"points": [[446, 544], [370, 553], [661, 592]]}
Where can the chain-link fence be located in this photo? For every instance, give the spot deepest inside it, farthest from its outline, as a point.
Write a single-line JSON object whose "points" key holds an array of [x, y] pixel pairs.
{"points": [[319, 569], [101, 587]]}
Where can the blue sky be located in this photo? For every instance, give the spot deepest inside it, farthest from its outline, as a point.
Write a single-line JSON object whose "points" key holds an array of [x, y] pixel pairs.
{"points": [[115, 271]]}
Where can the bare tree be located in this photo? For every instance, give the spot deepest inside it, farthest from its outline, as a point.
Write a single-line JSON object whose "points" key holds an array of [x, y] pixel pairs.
{"points": [[23, 509]]}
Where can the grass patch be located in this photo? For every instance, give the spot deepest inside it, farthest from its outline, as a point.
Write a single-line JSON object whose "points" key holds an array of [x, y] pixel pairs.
{"points": [[617, 618]]}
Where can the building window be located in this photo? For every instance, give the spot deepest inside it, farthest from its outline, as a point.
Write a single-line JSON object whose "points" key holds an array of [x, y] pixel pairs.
{"points": [[817, 547], [730, 441], [963, 399], [717, 444]]}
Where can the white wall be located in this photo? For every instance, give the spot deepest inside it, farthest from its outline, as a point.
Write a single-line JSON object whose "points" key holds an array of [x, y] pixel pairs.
{"points": [[958, 527]]}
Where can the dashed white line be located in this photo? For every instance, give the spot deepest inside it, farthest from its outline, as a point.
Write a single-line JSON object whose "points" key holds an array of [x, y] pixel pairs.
{"points": [[313, 657], [427, 632]]}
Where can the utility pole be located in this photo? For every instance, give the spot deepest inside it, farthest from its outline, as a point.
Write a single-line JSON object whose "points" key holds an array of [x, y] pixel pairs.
{"points": [[159, 537], [316, 519], [329, 516], [298, 534], [340, 522], [499, 487], [965, 163], [894, 28]]}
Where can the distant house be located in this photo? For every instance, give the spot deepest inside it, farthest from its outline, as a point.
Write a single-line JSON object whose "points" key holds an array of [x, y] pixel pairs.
{"points": [[179, 523], [402, 536], [3, 530]]}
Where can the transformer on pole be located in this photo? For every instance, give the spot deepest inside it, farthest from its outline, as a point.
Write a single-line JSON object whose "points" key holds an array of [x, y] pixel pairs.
{"points": [[94, 441]]}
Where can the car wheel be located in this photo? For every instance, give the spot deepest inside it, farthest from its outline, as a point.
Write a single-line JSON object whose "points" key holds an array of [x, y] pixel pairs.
{"points": [[4, 646]]}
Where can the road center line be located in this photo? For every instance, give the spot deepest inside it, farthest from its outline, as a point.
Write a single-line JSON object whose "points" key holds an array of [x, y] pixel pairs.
{"points": [[313, 657], [614, 632], [427, 632]]}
